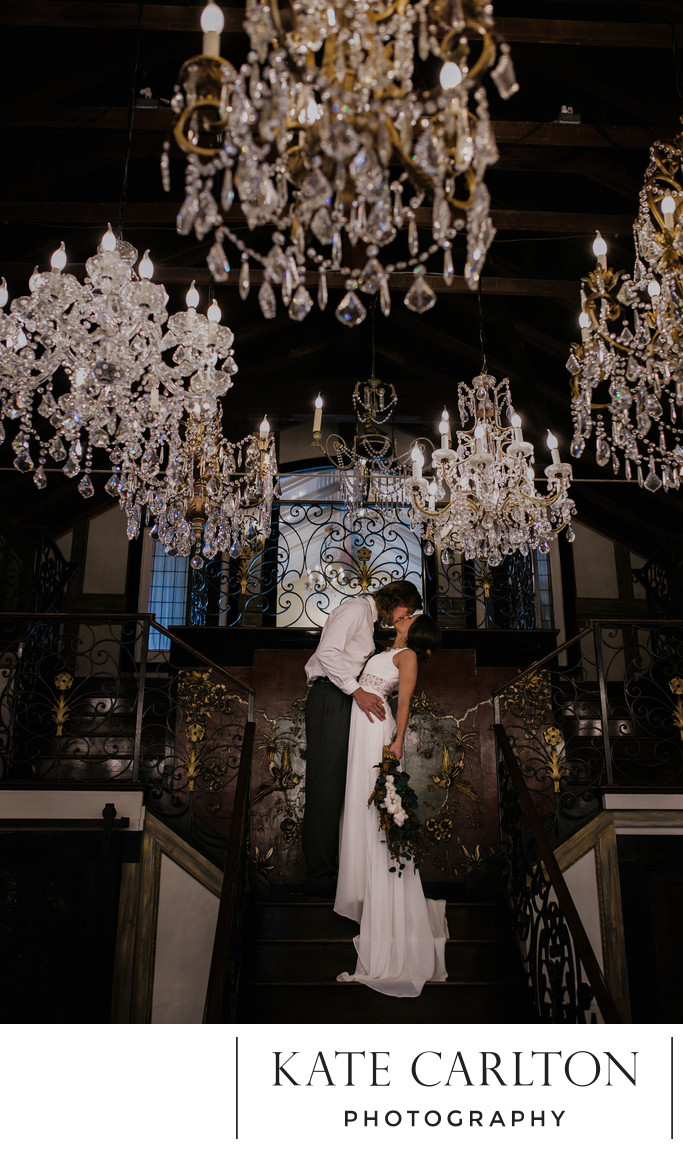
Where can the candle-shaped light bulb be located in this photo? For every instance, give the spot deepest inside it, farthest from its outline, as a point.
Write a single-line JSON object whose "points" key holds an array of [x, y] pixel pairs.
{"points": [[445, 430], [192, 297], [145, 267], [418, 462], [584, 324], [653, 289], [600, 251], [516, 424], [552, 447], [58, 258], [318, 415], [4, 293], [264, 429], [450, 76], [214, 312], [667, 207], [212, 22], [479, 433], [108, 241]]}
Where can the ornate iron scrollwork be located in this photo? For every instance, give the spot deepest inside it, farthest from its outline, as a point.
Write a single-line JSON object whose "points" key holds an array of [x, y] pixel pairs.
{"points": [[320, 553]]}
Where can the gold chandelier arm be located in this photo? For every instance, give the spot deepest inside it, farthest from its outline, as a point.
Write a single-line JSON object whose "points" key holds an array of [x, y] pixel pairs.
{"points": [[423, 510], [181, 138], [326, 450], [486, 56]]}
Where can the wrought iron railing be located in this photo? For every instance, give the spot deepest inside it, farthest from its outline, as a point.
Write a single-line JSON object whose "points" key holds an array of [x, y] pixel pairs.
{"points": [[604, 709], [83, 700], [33, 571], [662, 579], [564, 977], [320, 553]]}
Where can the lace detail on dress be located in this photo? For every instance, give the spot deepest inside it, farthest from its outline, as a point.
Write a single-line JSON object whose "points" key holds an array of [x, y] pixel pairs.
{"points": [[376, 684]]}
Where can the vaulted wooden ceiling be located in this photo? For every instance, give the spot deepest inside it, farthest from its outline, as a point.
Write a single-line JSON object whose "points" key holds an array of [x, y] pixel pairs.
{"points": [[70, 69]]}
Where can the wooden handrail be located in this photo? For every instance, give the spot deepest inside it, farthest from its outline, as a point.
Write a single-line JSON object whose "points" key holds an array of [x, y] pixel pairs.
{"points": [[584, 948], [217, 988]]}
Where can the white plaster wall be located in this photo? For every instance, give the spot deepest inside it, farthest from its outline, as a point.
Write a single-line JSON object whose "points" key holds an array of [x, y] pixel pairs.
{"points": [[186, 925], [594, 565], [582, 882], [64, 543], [107, 554], [73, 804]]}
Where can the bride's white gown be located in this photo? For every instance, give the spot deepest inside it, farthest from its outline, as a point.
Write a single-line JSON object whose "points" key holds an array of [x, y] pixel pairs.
{"points": [[402, 934]]}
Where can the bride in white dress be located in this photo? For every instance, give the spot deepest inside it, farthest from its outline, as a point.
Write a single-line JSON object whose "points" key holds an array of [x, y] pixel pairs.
{"points": [[402, 934]]}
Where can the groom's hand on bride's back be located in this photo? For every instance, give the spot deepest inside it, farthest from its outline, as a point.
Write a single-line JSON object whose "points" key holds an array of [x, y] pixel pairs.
{"points": [[370, 704]]}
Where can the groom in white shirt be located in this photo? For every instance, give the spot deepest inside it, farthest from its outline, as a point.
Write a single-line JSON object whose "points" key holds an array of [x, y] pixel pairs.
{"points": [[346, 643]]}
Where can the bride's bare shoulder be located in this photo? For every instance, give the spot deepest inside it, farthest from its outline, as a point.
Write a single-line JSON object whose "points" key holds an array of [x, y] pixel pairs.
{"points": [[405, 657]]}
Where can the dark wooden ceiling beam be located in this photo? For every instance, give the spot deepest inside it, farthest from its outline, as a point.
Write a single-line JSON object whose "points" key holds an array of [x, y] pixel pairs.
{"points": [[507, 132], [491, 284], [185, 18], [563, 222]]}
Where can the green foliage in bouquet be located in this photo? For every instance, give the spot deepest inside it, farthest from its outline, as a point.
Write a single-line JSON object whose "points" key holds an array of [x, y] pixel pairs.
{"points": [[396, 803]]}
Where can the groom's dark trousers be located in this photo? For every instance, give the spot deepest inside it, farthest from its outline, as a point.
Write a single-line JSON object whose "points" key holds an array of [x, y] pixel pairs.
{"points": [[328, 716]]}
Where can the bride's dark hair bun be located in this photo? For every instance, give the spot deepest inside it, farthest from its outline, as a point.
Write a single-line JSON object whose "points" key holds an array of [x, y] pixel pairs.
{"points": [[424, 637]]}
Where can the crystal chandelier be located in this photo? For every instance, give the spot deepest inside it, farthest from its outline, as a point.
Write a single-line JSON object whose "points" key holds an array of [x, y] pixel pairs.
{"points": [[101, 366], [371, 470], [482, 497], [336, 144], [627, 373]]}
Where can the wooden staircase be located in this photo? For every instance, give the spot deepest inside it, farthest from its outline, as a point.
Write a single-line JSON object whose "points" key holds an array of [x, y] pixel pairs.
{"points": [[298, 947]]}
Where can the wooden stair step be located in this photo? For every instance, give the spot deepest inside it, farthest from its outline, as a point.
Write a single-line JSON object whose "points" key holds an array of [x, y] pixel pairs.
{"points": [[278, 920], [321, 959], [330, 1003]]}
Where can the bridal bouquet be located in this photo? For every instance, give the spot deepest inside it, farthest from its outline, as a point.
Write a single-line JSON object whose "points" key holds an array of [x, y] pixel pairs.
{"points": [[396, 802]]}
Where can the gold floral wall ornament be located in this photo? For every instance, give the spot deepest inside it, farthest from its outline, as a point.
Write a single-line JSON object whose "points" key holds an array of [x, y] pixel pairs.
{"points": [[451, 770], [422, 704], [439, 829], [262, 862], [61, 708], [290, 830], [282, 775], [530, 698], [676, 688]]}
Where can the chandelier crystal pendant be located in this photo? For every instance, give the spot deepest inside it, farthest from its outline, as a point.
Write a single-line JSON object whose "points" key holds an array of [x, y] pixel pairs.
{"points": [[327, 144], [627, 373], [100, 366], [482, 497]]}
